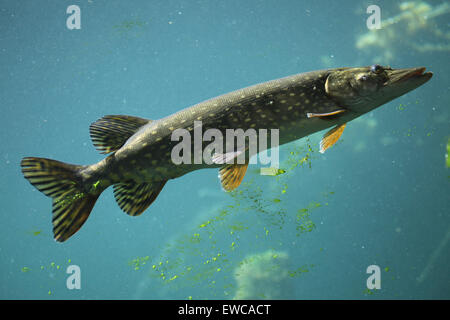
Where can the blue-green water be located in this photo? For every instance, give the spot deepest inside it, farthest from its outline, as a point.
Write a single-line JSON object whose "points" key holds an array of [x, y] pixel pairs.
{"points": [[379, 197]]}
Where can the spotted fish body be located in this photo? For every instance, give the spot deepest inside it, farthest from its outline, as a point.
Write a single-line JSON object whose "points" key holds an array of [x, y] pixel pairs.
{"points": [[280, 104], [141, 163]]}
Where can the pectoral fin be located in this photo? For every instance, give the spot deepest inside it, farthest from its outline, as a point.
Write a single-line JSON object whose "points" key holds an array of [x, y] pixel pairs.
{"points": [[327, 114], [331, 137], [227, 158], [232, 175]]}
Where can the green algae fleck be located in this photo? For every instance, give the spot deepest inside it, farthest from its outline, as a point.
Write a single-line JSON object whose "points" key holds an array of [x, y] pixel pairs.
{"points": [[272, 171], [36, 233]]}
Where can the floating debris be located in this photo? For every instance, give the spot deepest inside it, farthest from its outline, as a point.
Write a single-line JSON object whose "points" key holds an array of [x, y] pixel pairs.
{"points": [[138, 262], [35, 233], [198, 259], [271, 171], [130, 28], [415, 18], [264, 276]]}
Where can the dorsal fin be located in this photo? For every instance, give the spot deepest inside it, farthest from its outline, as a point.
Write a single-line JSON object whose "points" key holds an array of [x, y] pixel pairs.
{"points": [[111, 132], [331, 137], [134, 198], [232, 175]]}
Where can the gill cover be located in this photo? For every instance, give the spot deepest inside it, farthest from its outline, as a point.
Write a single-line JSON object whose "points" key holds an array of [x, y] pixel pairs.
{"points": [[351, 85]]}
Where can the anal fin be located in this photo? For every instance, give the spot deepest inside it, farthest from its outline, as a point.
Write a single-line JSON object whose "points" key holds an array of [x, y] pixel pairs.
{"points": [[331, 137], [134, 198], [232, 175], [111, 132]]}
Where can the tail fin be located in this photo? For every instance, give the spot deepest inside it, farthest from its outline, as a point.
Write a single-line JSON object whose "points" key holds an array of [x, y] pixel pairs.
{"points": [[61, 181]]}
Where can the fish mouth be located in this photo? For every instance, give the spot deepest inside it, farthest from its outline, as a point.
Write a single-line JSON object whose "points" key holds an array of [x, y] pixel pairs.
{"points": [[401, 76]]}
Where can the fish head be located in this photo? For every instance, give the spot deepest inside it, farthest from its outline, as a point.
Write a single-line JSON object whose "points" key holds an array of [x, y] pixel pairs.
{"points": [[363, 89]]}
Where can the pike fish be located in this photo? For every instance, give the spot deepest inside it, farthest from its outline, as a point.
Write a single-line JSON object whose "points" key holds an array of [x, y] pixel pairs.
{"points": [[139, 162]]}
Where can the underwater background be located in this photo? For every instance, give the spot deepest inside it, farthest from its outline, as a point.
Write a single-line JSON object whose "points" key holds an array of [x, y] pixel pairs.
{"points": [[379, 197]]}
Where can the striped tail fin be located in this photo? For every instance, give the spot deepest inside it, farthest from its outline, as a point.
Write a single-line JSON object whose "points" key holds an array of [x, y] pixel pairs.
{"points": [[61, 181]]}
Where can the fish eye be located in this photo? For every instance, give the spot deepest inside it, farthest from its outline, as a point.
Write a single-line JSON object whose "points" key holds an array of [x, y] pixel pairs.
{"points": [[376, 68]]}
